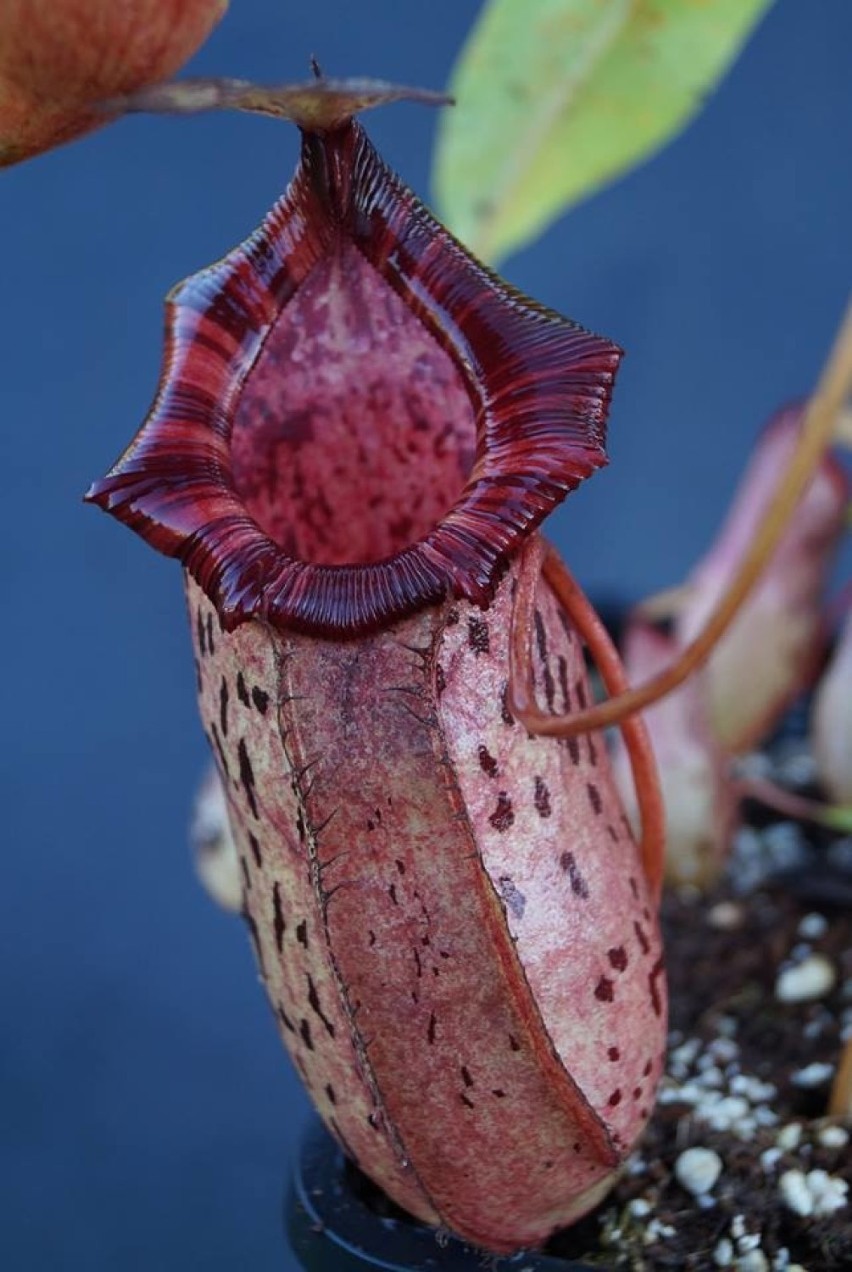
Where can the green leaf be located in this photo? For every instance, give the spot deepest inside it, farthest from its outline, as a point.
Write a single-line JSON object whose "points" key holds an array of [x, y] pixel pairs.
{"points": [[557, 97], [838, 817]]}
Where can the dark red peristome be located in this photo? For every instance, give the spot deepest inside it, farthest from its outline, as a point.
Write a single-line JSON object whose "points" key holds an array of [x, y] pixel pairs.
{"points": [[350, 342]]}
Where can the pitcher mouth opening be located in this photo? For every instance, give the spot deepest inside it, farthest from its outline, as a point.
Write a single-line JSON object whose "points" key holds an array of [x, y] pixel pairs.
{"points": [[355, 419], [355, 433]]}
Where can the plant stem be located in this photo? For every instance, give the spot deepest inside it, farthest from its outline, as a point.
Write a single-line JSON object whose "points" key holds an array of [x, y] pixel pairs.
{"points": [[790, 804]]}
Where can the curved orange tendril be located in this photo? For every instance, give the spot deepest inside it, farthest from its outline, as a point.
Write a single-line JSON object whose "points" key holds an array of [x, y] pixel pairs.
{"points": [[821, 417], [521, 694]]}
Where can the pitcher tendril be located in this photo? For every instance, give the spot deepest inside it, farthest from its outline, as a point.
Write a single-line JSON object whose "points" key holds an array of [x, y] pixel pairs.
{"points": [[823, 411]]}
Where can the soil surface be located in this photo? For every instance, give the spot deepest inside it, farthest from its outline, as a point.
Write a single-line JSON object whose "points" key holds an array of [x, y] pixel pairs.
{"points": [[760, 977], [748, 1078]]}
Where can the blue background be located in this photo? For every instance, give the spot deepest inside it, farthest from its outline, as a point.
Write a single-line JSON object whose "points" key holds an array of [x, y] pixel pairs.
{"points": [[148, 1112]]}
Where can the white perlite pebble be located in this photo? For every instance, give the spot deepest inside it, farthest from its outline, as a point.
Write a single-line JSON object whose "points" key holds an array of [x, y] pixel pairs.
{"points": [[833, 1137], [754, 764], [796, 768], [813, 1075], [806, 981], [725, 916], [756, 1261], [789, 1137], [816, 1193], [813, 926], [752, 1088], [657, 1231], [639, 1208], [728, 1113], [684, 1056], [723, 1255], [753, 1261], [697, 1170]]}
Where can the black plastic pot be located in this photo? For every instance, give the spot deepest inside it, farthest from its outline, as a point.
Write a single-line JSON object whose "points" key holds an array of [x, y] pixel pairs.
{"points": [[333, 1228]]}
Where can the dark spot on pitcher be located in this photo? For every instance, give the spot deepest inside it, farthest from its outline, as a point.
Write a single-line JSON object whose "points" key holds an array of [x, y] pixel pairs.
{"points": [[478, 636]]}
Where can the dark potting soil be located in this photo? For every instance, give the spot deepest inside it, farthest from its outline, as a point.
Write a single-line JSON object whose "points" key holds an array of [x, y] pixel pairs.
{"points": [[748, 1078]]}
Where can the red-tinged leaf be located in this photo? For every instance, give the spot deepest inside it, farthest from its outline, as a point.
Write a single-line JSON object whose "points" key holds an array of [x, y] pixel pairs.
{"points": [[774, 645], [60, 58], [831, 721], [701, 804]]}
